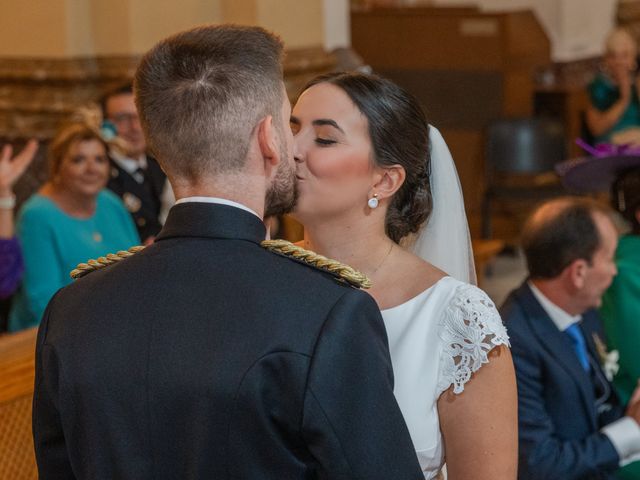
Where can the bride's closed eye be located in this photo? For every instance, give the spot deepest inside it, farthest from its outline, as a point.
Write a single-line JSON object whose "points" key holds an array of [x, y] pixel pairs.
{"points": [[323, 142]]}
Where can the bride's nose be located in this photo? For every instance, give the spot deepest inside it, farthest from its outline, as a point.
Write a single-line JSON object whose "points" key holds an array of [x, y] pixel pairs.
{"points": [[297, 152]]}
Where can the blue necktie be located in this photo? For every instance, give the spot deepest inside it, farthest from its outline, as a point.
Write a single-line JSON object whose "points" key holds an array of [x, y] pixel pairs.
{"points": [[579, 345]]}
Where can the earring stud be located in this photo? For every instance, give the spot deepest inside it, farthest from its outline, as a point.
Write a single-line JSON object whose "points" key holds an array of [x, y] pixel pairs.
{"points": [[373, 201]]}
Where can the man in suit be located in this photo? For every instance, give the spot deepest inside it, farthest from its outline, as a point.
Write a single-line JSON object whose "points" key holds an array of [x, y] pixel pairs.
{"points": [[135, 176], [207, 355], [571, 422]]}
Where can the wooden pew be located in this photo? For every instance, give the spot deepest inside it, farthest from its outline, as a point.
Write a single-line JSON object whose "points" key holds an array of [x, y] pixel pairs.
{"points": [[17, 371]]}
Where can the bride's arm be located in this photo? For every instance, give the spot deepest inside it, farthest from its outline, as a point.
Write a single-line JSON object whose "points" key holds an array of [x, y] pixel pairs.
{"points": [[480, 424]]}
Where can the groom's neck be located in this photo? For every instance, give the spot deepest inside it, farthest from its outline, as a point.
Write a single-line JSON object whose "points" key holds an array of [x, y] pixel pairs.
{"points": [[245, 189]]}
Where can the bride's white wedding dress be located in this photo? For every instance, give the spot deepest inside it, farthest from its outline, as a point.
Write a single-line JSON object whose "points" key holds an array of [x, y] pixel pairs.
{"points": [[437, 340]]}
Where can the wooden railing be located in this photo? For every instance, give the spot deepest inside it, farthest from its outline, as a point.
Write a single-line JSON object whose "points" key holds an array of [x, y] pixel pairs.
{"points": [[17, 370]]}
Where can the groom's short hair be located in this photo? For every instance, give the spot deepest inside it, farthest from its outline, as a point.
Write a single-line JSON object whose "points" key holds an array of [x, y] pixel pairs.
{"points": [[559, 232], [201, 92]]}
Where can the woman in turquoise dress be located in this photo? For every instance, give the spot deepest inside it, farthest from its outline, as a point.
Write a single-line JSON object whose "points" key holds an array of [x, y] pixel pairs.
{"points": [[70, 219], [621, 303]]}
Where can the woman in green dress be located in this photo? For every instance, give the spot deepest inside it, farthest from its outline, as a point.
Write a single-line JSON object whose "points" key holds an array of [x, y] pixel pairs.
{"points": [[613, 115], [621, 303]]}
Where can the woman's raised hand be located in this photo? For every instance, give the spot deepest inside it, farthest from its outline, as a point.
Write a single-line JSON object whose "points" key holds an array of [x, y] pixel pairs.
{"points": [[12, 168]]}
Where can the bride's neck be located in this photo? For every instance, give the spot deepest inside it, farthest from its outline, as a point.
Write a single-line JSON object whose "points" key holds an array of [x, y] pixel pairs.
{"points": [[360, 246]]}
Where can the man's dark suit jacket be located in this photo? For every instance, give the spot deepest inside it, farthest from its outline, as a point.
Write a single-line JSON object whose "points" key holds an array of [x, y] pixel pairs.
{"points": [[559, 421], [206, 356], [143, 200]]}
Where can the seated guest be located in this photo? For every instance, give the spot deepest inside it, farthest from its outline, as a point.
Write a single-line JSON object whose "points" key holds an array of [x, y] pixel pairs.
{"points": [[621, 302], [11, 265], [136, 177], [614, 113], [572, 424], [70, 219]]}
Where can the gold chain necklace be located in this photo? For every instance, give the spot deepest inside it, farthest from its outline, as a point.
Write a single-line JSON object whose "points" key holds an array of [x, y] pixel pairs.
{"points": [[383, 260]]}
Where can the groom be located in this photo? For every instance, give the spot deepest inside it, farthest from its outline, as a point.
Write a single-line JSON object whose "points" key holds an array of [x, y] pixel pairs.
{"points": [[206, 355]]}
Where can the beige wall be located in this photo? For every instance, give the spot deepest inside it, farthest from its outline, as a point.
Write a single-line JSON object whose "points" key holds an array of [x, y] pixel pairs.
{"points": [[79, 35], [34, 27], [337, 24], [110, 26], [299, 22], [76, 28], [242, 12], [152, 20]]}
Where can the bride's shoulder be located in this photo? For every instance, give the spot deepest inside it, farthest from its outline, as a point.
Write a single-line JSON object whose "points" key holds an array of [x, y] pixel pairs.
{"points": [[467, 298], [468, 309], [470, 328]]}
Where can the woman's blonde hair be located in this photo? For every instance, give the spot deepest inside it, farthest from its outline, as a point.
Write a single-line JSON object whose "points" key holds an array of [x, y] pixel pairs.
{"points": [[66, 137]]}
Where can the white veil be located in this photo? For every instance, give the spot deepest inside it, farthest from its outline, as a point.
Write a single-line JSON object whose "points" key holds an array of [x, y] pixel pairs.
{"points": [[445, 240]]}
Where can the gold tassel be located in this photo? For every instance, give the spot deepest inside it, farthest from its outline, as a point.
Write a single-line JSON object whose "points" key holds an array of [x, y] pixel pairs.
{"points": [[84, 268], [337, 269]]}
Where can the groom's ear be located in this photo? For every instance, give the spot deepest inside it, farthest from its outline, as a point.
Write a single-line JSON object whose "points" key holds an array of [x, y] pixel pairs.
{"points": [[388, 180], [267, 143]]}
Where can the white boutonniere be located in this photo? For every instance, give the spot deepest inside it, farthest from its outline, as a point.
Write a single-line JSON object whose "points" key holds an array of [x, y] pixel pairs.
{"points": [[608, 359]]}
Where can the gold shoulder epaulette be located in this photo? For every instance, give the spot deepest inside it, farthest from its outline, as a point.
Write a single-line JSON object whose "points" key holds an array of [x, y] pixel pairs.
{"points": [[339, 270], [84, 268]]}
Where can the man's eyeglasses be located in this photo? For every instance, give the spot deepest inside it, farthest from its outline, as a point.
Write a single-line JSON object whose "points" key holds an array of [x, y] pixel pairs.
{"points": [[121, 118]]}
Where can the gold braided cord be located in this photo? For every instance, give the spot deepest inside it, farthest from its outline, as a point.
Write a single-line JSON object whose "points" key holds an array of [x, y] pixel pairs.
{"points": [[84, 268], [340, 270]]}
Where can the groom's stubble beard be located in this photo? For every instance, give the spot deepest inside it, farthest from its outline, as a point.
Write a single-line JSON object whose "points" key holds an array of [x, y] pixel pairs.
{"points": [[282, 195]]}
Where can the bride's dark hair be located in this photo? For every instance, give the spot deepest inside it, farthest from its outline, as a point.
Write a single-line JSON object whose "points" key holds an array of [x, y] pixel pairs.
{"points": [[400, 136]]}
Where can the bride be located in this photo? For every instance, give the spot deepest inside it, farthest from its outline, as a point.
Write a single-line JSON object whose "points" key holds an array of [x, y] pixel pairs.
{"points": [[363, 165]]}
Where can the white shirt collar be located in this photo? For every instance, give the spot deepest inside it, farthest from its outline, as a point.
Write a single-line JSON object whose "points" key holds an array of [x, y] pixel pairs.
{"points": [[559, 317], [129, 165], [219, 201]]}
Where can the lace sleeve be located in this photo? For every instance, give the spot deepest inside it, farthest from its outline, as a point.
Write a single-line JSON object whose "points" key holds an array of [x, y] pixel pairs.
{"points": [[469, 329]]}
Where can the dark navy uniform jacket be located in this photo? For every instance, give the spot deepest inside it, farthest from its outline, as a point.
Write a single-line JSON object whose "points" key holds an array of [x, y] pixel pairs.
{"points": [[206, 356], [561, 407], [143, 200]]}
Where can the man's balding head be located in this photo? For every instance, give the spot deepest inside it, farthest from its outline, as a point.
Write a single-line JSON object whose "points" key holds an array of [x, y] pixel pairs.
{"points": [[560, 232], [570, 246]]}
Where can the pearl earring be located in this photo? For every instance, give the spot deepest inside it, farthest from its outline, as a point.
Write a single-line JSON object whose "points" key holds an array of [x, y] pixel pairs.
{"points": [[373, 201]]}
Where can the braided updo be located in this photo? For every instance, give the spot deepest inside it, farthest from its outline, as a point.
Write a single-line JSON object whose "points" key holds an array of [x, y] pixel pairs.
{"points": [[399, 136]]}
